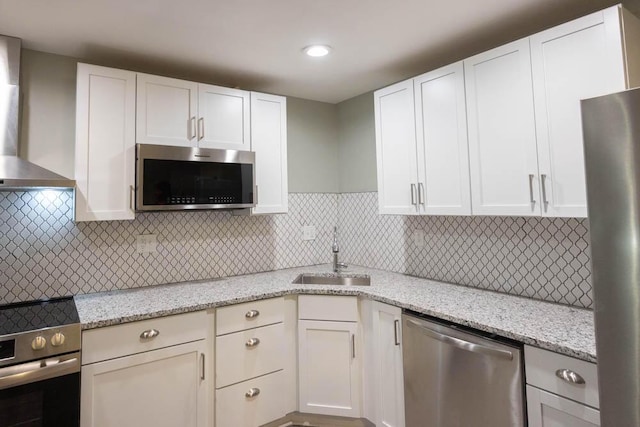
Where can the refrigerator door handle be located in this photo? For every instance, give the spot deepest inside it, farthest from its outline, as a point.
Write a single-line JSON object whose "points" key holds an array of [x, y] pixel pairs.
{"points": [[462, 344]]}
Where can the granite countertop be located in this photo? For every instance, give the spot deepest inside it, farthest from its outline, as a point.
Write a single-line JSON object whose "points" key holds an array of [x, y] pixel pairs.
{"points": [[560, 328]]}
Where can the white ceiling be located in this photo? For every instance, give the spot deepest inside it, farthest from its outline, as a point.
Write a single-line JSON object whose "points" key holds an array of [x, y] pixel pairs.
{"points": [[256, 44]]}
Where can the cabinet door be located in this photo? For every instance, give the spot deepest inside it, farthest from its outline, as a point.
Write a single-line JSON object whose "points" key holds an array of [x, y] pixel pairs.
{"points": [[105, 143], [389, 381], [396, 149], [160, 388], [502, 135], [269, 143], [443, 150], [166, 111], [549, 410], [328, 368], [577, 60], [224, 118]]}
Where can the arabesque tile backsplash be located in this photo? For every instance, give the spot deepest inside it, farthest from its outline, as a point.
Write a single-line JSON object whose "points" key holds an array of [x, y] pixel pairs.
{"points": [[43, 253]]}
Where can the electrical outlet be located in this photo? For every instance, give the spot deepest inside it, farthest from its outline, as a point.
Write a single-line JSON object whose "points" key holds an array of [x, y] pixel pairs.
{"points": [[147, 243], [308, 232], [418, 238]]}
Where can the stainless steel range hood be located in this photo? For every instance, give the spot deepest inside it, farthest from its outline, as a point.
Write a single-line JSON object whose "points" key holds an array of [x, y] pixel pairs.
{"points": [[17, 173]]}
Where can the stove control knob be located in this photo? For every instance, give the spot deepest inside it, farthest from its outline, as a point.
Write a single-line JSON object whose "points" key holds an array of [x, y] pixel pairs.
{"points": [[57, 339], [39, 343]]}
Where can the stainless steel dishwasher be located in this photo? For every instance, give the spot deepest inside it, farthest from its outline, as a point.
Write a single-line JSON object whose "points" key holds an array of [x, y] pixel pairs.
{"points": [[456, 378]]}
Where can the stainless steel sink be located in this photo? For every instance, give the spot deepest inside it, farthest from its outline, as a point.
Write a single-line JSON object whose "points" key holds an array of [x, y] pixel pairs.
{"points": [[333, 279]]}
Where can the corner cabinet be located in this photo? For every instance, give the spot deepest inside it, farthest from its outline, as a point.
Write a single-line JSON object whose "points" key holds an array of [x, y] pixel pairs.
{"points": [[269, 143], [329, 356], [421, 143], [105, 143], [159, 379], [183, 113]]}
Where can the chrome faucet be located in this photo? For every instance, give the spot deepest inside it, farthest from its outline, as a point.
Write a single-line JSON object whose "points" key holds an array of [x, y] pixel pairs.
{"points": [[335, 248]]}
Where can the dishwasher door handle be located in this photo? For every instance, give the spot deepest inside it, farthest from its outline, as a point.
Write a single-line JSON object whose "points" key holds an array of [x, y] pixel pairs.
{"points": [[462, 344]]}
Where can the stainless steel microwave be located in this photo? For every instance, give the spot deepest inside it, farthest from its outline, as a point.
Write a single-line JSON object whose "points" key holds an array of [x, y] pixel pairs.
{"points": [[184, 178]]}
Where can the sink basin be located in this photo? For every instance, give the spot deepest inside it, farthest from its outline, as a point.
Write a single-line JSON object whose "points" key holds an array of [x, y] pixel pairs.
{"points": [[333, 279]]}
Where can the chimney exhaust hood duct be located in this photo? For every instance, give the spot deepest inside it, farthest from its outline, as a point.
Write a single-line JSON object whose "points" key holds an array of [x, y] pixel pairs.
{"points": [[16, 173]]}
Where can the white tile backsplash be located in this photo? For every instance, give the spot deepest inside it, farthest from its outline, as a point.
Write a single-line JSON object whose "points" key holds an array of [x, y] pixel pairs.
{"points": [[43, 253]]}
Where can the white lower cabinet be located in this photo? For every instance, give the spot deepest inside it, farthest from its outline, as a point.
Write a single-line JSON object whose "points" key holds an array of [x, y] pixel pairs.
{"points": [[549, 410], [561, 391], [255, 362], [147, 373], [384, 342], [329, 356], [251, 403]]}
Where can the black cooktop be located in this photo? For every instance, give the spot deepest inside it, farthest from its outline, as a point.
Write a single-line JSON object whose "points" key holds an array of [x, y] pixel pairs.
{"points": [[34, 315]]}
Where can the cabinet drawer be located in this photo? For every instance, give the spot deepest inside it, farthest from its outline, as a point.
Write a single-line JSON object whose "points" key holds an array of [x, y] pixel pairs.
{"points": [[249, 354], [249, 315], [235, 409], [541, 367], [325, 307], [123, 340]]}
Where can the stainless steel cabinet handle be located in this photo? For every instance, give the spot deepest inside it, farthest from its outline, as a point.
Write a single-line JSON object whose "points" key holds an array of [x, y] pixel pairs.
{"points": [[421, 193], [543, 182], [569, 376], [256, 200], [396, 332], [413, 194], [192, 128], [132, 194], [251, 314], [202, 366], [531, 177], [200, 129], [353, 346], [462, 344], [252, 342], [253, 392], [149, 333]]}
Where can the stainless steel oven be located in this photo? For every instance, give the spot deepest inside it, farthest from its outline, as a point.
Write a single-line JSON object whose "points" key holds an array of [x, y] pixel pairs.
{"points": [[184, 178], [40, 364]]}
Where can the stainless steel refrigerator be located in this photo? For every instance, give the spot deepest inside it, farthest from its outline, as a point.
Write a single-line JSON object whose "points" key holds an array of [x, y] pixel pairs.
{"points": [[611, 126]]}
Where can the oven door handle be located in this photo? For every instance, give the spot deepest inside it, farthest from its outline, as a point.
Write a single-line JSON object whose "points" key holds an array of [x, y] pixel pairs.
{"points": [[26, 373]]}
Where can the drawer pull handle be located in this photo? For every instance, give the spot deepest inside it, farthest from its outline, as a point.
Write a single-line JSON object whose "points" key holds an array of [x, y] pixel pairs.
{"points": [[569, 376], [251, 314], [253, 392], [149, 333], [252, 342]]}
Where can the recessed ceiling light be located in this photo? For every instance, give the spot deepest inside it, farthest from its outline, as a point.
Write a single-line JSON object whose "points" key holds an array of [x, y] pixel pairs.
{"points": [[317, 50]]}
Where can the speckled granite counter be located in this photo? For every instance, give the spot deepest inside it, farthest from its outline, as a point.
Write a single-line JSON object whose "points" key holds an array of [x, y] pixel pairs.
{"points": [[555, 327]]}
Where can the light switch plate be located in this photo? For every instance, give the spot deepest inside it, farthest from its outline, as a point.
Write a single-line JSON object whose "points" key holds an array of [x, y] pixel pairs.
{"points": [[308, 232], [418, 238], [147, 243]]}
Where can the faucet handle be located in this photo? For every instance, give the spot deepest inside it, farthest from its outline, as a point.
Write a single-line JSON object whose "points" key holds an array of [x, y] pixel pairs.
{"points": [[341, 265]]}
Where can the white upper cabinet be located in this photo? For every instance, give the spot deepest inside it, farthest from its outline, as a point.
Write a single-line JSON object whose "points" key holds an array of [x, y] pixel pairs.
{"points": [[502, 134], [182, 113], [396, 149], [223, 120], [105, 143], [166, 111], [443, 154], [269, 143], [577, 60]]}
